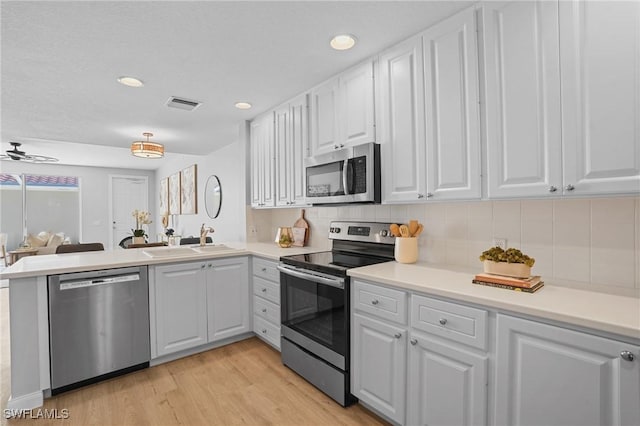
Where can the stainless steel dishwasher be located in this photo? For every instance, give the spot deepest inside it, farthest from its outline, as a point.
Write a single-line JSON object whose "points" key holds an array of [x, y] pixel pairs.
{"points": [[98, 325]]}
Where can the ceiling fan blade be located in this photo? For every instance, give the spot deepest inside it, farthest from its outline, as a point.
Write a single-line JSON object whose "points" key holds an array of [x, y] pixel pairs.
{"points": [[40, 159]]}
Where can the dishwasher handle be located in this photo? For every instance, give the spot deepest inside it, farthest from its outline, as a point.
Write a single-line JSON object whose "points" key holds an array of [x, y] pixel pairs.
{"points": [[74, 284]]}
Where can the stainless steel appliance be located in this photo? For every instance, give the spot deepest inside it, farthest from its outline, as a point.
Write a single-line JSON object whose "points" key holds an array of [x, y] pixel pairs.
{"points": [[314, 290], [98, 325], [349, 175]]}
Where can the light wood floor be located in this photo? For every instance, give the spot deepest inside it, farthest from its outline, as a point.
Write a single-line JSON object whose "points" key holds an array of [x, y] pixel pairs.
{"points": [[242, 383]]}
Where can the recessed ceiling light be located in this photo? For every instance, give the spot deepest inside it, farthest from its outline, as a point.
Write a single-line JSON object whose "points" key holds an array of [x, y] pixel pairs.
{"points": [[243, 105], [130, 81], [343, 42]]}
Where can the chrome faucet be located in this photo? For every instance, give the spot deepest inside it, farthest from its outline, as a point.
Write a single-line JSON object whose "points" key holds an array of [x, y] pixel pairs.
{"points": [[204, 230]]}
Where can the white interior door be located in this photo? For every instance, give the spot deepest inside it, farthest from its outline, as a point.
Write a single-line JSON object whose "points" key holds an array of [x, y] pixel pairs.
{"points": [[128, 193]]}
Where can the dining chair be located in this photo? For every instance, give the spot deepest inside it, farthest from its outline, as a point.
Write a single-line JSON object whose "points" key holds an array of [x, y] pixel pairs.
{"points": [[76, 248]]}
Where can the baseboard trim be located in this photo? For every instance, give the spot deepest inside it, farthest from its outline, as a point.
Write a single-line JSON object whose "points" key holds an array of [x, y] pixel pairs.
{"points": [[26, 402]]}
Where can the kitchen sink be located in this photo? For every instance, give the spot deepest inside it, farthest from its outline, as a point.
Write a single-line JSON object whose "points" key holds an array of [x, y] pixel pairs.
{"points": [[169, 252]]}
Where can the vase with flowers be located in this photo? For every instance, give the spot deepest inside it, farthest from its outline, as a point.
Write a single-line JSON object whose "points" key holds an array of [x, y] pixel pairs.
{"points": [[142, 218]]}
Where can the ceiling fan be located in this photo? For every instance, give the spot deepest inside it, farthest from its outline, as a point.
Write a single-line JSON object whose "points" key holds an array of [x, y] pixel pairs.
{"points": [[18, 155]]}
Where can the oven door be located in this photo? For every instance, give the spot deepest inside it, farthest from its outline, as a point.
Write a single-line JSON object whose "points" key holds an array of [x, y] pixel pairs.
{"points": [[313, 312]]}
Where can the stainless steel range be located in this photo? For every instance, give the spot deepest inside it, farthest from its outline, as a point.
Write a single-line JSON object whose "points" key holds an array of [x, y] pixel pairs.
{"points": [[314, 290]]}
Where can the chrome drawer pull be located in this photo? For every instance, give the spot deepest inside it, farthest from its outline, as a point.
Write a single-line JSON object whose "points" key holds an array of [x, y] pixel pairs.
{"points": [[264, 290], [375, 302], [627, 355], [442, 321], [264, 331], [264, 269], [264, 309], [413, 342], [397, 335]]}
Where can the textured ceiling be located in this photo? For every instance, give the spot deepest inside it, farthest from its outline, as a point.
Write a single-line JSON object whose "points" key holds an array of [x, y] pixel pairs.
{"points": [[60, 61]]}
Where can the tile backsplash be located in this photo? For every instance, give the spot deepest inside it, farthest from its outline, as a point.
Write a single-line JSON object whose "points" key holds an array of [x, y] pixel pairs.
{"points": [[585, 243]]}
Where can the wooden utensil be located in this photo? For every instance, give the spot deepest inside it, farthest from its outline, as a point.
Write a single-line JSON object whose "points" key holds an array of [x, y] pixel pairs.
{"points": [[419, 230], [404, 231], [395, 229], [413, 227], [301, 223]]}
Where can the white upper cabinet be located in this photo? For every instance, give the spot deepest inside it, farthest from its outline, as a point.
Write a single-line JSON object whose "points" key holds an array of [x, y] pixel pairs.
{"points": [[522, 98], [291, 140], [262, 161], [342, 111], [451, 107], [600, 61], [401, 112], [429, 114]]}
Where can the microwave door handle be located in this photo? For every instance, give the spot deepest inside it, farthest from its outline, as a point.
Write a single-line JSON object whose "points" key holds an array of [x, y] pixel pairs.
{"points": [[345, 177]]}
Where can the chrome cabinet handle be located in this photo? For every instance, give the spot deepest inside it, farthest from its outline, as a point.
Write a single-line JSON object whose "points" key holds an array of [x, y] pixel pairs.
{"points": [[264, 290], [420, 196], [341, 145], [264, 269], [375, 302], [413, 342], [429, 195], [336, 147], [210, 266], [202, 266], [264, 309], [627, 355], [553, 188], [442, 321], [569, 187], [264, 331], [397, 335]]}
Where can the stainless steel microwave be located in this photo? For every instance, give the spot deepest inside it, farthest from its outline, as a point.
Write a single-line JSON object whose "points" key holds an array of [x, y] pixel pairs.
{"points": [[348, 175]]}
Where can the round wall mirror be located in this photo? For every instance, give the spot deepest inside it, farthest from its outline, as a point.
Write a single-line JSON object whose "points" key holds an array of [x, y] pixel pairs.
{"points": [[213, 196]]}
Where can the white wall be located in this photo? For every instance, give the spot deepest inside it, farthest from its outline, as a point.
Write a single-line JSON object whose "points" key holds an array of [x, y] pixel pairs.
{"points": [[228, 163], [585, 243], [94, 193]]}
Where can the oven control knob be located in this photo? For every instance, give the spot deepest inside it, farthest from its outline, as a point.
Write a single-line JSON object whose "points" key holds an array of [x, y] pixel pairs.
{"points": [[336, 230], [332, 229], [384, 233]]}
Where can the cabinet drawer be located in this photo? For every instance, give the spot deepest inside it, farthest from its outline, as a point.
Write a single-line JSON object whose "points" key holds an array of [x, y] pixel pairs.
{"points": [[266, 289], [266, 269], [449, 320], [380, 301], [267, 310], [267, 331]]}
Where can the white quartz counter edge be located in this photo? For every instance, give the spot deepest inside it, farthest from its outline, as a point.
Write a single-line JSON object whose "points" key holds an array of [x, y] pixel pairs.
{"points": [[598, 311], [32, 266]]}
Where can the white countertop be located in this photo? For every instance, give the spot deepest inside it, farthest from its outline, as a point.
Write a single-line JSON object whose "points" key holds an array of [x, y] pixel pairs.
{"points": [[599, 311], [31, 266]]}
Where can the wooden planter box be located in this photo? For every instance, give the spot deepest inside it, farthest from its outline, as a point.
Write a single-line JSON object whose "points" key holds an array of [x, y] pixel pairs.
{"points": [[518, 270]]}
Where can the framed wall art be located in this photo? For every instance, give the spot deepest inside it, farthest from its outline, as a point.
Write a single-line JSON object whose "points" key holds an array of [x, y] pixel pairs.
{"points": [[174, 193], [164, 196], [189, 190]]}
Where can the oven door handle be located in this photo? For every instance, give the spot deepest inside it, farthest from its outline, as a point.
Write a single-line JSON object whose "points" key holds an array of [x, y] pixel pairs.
{"points": [[333, 282]]}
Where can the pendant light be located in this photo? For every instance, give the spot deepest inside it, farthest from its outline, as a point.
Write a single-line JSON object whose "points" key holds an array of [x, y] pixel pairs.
{"points": [[147, 149]]}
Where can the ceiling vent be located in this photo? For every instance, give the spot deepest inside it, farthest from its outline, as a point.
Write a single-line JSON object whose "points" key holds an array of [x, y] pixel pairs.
{"points": [[181, 103]]}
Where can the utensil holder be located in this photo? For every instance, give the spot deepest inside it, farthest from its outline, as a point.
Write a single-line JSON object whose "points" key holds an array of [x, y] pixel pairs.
{"points": [[406, 250]]}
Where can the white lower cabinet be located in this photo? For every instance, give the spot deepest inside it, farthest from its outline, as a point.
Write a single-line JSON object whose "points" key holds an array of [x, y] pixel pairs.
{"points": [[228, 298], [548, 375], [180, 306], [195, 303], [446, 383], [379, 362], [266, 301]]}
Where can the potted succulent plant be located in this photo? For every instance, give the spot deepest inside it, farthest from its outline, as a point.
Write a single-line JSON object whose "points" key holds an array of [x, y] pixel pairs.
{"points": [[511, 262]]}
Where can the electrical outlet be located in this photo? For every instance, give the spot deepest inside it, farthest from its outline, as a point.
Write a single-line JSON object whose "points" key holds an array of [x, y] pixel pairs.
{"points": [[500, 242], [253, 230]]}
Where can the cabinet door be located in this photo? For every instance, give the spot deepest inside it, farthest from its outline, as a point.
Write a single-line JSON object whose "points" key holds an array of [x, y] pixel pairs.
{"points": [[447, 385], [378, 365], [256, 163], [324, 124], [452, 109], [524, 147], [283, 160], [402, 121], [267, 154], [181, 307], [549, 375], [356, 115], [298, 148], [600, 51], [228, 297]]}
